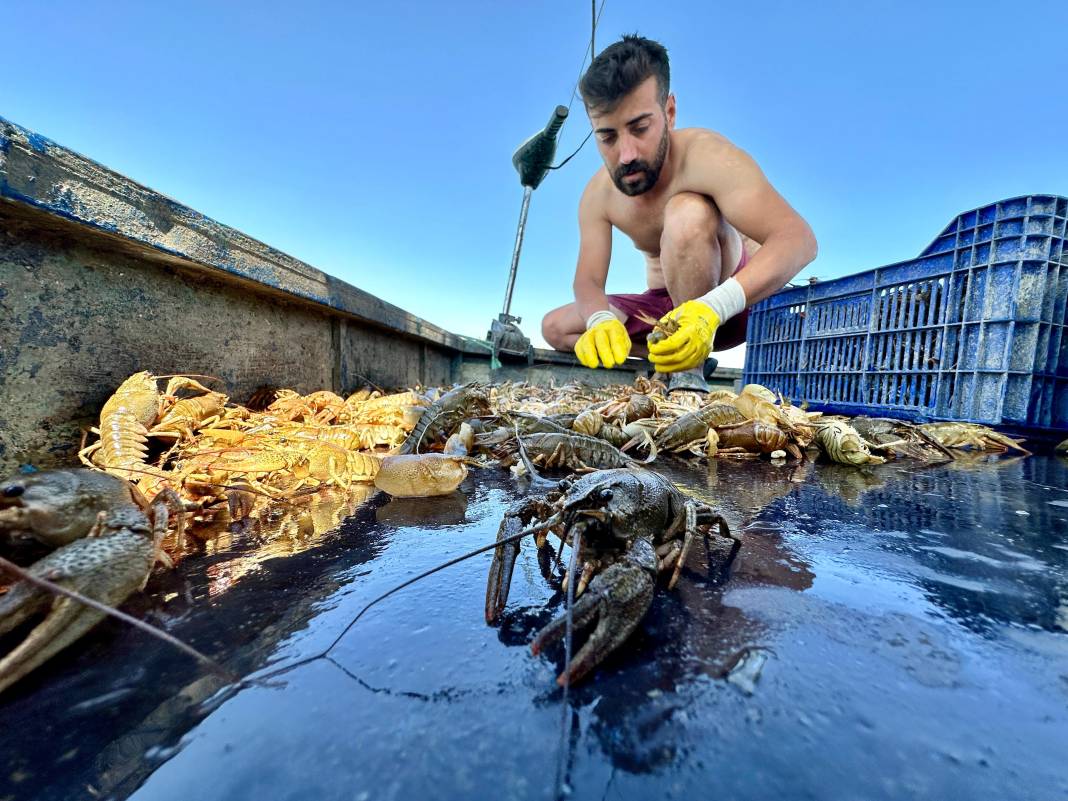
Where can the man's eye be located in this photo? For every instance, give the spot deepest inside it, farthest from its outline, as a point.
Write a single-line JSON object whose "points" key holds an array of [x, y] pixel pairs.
{"points": [[608, 139], [640, 131]]}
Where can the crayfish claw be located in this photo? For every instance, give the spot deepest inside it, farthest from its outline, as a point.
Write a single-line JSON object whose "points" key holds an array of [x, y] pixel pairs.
{"points": [[500, 573], [617, 599], [66, 622], [107, 567], [19, 604]]}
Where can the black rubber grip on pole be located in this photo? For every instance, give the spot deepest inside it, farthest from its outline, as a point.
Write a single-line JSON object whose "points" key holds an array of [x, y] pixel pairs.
{"points": [[557, 120]]}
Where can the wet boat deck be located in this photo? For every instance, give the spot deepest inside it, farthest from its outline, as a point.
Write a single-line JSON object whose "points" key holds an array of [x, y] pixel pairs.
{"points": [[889, 632]]}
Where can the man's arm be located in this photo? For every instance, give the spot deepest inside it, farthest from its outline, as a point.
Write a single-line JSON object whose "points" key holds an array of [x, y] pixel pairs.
{"points": [[746, 199], [595, 253], [605, 342]]}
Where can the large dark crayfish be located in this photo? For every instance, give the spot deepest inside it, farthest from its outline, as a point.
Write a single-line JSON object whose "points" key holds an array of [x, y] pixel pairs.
{"points": [[632, 525]]}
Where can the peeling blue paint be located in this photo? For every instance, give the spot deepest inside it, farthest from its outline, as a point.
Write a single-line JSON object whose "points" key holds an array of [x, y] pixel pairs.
{"points": [[64, 210], [39, 143], [39, 332], [5, 140], [63, 202], [264, 275]]}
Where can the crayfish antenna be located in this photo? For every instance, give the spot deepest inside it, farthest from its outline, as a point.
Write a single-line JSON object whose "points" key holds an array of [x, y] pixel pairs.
{"points": [[80, 609], [535, 479]]}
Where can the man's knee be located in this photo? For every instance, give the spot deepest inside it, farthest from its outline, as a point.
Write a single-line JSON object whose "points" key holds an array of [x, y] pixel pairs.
{"points": [[689, 218], [549, 329], [553, 329]]}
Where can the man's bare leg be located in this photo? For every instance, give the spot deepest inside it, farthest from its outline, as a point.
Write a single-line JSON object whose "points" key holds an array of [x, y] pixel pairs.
{"points": [[698, 250], [563, 326]]}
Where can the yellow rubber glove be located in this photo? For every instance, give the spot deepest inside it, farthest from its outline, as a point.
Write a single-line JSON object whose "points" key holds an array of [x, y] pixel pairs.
{"points": [[606, 342], [690, 345]]}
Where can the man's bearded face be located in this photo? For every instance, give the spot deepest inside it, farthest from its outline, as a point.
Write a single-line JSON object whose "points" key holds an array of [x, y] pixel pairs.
{"points": [[647, 173]]}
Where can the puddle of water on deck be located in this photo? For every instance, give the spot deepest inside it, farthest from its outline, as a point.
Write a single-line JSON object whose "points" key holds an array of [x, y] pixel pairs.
{"points": [[908, 628]]}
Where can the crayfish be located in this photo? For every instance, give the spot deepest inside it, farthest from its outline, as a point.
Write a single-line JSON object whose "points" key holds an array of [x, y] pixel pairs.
{"points": [[444, 415], [968, 435], [57, 507], [662, 329], [630, 526], [106, 559]]}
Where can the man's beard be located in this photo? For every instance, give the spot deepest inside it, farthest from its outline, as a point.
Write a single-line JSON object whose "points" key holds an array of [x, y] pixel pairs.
{"points": [[650, 172]]}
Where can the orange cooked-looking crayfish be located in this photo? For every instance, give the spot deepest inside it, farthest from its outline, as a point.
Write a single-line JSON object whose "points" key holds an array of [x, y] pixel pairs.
{"points": [[129, 418]]}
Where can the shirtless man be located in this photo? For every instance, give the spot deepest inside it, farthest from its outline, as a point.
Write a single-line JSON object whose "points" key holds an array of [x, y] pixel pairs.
{"points": [[685, 198]]}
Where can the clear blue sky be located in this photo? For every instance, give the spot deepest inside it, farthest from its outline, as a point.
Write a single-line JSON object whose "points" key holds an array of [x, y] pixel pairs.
{"points": [[373, 140]]}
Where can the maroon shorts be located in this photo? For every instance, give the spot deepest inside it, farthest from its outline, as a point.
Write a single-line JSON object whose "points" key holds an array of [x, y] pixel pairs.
{"points": [[656, 303]]}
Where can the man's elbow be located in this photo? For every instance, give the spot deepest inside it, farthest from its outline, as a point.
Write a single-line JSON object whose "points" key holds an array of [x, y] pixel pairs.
{"points": [[812, 248], [799, 241], [807, 247]]}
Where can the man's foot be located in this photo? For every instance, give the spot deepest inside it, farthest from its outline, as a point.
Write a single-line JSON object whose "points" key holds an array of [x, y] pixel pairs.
{"points": [[687, 381], [711, 363]]}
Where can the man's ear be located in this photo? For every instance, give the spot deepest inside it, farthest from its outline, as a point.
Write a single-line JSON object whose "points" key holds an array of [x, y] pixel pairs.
{"points": [[669, 110]]}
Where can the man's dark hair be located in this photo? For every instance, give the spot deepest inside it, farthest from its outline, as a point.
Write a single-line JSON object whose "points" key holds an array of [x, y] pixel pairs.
{"points": [[620, 68]]}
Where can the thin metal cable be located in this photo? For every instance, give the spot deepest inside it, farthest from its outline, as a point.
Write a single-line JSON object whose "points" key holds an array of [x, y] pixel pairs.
{"points": [[593, 24], [565, 713], [326, 652], [565, 161], [591, 52]]}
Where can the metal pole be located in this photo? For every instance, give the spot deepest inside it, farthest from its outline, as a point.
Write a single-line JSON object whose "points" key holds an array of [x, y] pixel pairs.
{"points": [[527, 192]]}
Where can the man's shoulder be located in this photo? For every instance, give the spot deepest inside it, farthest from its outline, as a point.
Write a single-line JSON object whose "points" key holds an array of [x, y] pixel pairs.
{"points": [[708, 162], [703, 141], [599, 181], [597, 188]]}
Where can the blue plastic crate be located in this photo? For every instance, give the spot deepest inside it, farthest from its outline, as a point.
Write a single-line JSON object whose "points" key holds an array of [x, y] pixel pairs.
{"points": [[973, 329]]}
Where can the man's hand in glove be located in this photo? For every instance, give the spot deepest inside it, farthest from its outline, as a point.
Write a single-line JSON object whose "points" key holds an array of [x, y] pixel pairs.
{"points": [[697, 321], [605, 342], [690, 345]]}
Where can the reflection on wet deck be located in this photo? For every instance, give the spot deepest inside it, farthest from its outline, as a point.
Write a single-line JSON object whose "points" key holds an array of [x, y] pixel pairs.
{"points": [[886, 632], [280, 531]]}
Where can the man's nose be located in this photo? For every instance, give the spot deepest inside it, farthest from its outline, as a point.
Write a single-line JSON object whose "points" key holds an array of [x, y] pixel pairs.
{"points": [[628, 150]]}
